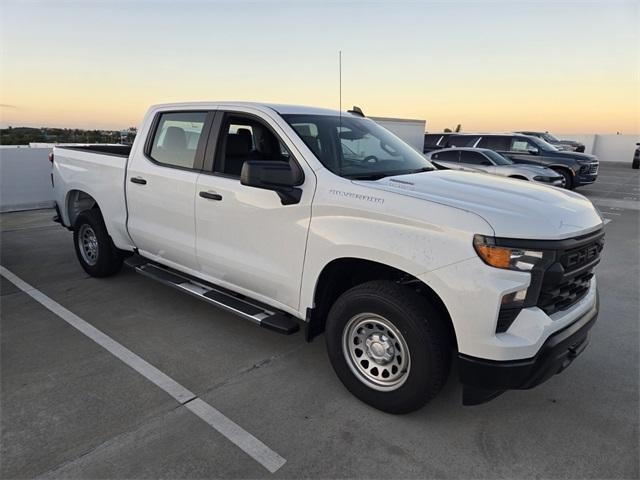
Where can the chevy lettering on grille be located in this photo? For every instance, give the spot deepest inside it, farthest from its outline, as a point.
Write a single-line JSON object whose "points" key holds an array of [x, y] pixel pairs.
{"points": [[577, 258]]}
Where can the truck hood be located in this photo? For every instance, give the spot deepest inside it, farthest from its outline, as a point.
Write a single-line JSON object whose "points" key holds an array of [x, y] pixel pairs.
{"points": [[580, 157], [513, 208]]}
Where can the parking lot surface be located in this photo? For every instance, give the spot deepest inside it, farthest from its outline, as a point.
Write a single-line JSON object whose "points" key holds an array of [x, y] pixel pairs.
{"points": [[72, 409]]}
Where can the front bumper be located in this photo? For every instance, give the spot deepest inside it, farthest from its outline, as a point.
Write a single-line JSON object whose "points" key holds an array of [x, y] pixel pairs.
{"points": [[588, 173], [485, 379]]}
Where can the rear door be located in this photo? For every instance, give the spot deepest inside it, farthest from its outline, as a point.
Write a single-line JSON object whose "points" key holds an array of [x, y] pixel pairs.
{"points": [[247, 239], [161, 183]]}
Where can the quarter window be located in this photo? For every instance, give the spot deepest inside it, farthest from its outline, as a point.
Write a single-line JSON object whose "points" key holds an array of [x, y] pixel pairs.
{"points": [[176, 138]]}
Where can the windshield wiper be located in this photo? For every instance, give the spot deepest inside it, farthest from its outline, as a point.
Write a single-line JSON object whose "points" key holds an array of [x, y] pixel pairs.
{"points": [[419, 170], [379, 175], [370, 176]]}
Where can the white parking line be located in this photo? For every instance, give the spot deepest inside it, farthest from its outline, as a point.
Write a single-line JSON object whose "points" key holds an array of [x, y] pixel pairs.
{"points": [[229, 429]]}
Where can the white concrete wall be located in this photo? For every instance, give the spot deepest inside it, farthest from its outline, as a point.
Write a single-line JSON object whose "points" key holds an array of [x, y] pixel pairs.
{"points": [[25, 182], [608, 148], [411, 131]]}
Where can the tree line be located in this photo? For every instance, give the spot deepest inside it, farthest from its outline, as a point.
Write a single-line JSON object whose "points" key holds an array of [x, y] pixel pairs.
{"points": [[27, 135]]}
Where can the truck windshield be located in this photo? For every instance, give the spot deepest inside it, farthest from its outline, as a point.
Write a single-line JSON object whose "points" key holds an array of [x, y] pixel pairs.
{"points": [[357, 148]]}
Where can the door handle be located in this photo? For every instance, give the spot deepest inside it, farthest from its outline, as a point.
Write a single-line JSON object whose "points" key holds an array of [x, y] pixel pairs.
{"points": [[138, 180], [211, 195]]}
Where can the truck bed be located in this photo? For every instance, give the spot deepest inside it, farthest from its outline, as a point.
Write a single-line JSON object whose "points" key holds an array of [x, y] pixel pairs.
{"points": [[99, 172]]}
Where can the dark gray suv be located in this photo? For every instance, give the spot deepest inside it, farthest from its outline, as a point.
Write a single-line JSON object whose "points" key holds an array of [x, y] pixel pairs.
{"points": [[576, 168], [559, 144]]}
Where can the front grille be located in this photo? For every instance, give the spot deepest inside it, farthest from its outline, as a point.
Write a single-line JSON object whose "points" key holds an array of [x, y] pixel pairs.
{"points": [[567, 280], [565, 294], [576, 258]]}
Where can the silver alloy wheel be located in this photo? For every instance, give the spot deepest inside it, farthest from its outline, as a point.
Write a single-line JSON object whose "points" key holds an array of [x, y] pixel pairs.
{"points": [[563, 182], [88, 243], [376, 351]]}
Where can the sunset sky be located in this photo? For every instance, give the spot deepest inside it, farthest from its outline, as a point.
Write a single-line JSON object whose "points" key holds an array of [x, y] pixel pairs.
{"points": [[562, 66]]}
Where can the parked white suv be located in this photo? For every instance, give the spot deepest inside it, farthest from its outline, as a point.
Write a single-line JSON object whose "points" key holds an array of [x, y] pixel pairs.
{"points": [[293, 216]]}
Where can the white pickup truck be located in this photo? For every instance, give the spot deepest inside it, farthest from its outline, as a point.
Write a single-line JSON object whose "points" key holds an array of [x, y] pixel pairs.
{"points": [[294, 216]]}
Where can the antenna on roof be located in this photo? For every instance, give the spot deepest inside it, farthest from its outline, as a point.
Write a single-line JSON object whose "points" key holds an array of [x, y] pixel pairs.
{"points": [[339, 106], [340, 81]]}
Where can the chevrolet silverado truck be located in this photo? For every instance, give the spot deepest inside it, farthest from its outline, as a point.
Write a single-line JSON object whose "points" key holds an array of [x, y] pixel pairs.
{"points": [[292, 217]]}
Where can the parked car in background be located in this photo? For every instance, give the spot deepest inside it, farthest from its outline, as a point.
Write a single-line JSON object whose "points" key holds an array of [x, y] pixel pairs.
{"points": [[559, 144], [488, 161], [577, 169], [636, 157], [435, 141]]}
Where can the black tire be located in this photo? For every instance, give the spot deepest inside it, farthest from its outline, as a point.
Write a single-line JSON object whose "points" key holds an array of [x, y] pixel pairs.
{"points": [[108, 259], [425, 336], [568, 179]]}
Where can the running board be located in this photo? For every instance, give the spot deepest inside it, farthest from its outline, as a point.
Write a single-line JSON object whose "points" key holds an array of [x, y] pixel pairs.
{"points": [[265, 317]]}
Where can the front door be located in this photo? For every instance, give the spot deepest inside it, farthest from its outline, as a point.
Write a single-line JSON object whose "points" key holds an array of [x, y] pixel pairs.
{"points": [[246, 238]]}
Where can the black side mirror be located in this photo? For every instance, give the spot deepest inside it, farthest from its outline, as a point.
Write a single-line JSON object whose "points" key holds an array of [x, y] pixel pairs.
{"points": [[533, 151], [273, 175]]}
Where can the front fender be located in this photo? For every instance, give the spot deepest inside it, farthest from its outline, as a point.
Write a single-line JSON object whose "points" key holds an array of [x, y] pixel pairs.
{"points": [[399, 231]]}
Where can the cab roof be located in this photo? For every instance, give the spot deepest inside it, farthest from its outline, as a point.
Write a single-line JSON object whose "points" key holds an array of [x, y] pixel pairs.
{"points": [[282, 109]]}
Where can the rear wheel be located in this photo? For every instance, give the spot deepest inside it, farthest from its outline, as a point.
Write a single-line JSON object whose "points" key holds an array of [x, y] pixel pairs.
{"points": [[95, 250], [388, 346]]}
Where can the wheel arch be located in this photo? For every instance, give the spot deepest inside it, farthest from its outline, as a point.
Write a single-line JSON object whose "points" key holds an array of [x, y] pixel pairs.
{"points": [[341, 274], [78, 201], [565, 168]]}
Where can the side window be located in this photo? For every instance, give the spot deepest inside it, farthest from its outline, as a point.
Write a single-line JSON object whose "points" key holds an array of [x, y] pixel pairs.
{"points": [[449, 156], [461, 140], [520, 144], [246, 138], [176, 138], [432, 139], [495, 142], [473, 158]]}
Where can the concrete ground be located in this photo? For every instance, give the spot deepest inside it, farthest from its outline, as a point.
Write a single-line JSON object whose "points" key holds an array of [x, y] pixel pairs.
{"points": [[70, 409]]}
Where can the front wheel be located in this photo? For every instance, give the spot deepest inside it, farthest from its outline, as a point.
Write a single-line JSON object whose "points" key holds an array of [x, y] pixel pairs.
{"points": [[95, 250], [567, 179], [388, 346]]}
